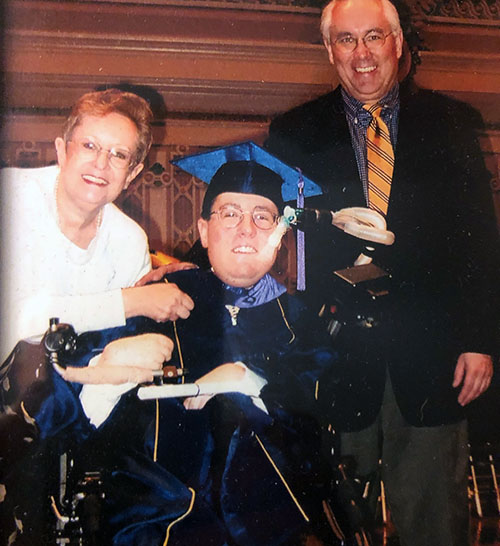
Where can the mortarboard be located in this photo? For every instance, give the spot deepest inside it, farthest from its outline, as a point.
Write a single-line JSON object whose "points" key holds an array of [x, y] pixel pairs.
{"points": [[204, 165]]}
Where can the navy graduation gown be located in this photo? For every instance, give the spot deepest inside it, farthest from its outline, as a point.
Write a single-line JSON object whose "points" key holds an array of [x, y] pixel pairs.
{"points": [[230, 473], [242, 475]]}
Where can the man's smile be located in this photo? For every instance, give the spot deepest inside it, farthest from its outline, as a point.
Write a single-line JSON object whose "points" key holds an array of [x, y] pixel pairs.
{"points": [[244, 250], [365, 69]]}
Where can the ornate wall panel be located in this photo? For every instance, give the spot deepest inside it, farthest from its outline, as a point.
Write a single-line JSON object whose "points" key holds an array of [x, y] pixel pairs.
{"points": [[27, 154], [458, 9], [166, 201]]}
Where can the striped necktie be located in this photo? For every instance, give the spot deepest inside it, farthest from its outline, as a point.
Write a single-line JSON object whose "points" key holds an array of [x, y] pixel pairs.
{"points": [[380, 158]]}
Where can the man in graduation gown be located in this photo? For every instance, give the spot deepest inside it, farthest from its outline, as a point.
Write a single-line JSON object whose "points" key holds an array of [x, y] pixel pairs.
{"points": [[243, 467]]}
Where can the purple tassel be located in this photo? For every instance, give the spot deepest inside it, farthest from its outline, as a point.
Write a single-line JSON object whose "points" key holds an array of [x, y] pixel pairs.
{"points": [[301, 258]]}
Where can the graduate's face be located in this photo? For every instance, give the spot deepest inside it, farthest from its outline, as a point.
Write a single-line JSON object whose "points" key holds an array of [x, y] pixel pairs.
{"points": [[91, 178], [239, 255], [369, 71]]}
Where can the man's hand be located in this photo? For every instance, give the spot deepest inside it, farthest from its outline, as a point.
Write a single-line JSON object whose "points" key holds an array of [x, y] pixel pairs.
{"points": [[161, 302], [158, 273], [223, 373], [126, 360], [474, 371]]}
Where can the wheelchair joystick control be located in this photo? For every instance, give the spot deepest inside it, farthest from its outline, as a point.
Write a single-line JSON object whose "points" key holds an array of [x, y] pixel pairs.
{"points": [[59, 341]]}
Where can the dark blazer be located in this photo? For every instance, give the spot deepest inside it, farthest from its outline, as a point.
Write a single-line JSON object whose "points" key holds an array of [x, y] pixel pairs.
{"points": [[442, 300]]}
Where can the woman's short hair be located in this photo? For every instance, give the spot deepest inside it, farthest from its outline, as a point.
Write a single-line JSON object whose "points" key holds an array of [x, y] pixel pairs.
{"points": [[390, 12], [109, 101]]}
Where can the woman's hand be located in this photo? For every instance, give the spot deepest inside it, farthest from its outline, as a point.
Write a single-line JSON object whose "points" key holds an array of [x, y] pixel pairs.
{"points": [[159, 272], [161, 302], [224, 373]]}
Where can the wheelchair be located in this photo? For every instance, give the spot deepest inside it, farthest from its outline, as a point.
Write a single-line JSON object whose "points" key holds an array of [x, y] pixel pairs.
{"points": [[51, 493]]}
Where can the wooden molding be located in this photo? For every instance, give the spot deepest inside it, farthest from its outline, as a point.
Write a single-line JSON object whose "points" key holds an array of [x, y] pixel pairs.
{"points": [[294, 6], [470, 10]]}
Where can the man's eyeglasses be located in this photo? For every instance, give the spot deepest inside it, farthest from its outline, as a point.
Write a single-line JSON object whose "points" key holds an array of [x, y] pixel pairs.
{"points": [[231, 217], [373, 40], [119, 158]]}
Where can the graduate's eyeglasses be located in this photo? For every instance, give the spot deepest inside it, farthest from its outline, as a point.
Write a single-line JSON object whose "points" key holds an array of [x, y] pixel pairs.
{"points": [[231, 217], [373, 40], [88, 149]]}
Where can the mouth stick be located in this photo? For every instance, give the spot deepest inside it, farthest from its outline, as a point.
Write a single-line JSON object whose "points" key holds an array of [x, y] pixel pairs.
{"points": [[275, 238]]}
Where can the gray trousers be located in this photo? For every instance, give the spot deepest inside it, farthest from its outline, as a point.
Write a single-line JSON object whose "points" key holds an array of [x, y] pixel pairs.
{"points": [[425, 473]]}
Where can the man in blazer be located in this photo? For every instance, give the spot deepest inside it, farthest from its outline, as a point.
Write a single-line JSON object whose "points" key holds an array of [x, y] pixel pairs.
{"points": [[417, 347]]}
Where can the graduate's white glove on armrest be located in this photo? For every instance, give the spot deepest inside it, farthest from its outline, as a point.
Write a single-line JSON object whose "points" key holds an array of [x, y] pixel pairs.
{"points": [[252, 384], [231, 377]]}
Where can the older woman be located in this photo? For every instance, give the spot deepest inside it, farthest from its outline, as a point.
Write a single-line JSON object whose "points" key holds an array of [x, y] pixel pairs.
{"points": [[68, 251]]}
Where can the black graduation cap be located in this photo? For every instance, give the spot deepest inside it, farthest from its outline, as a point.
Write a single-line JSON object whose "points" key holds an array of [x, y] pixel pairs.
{"points": [[245, 168]]}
